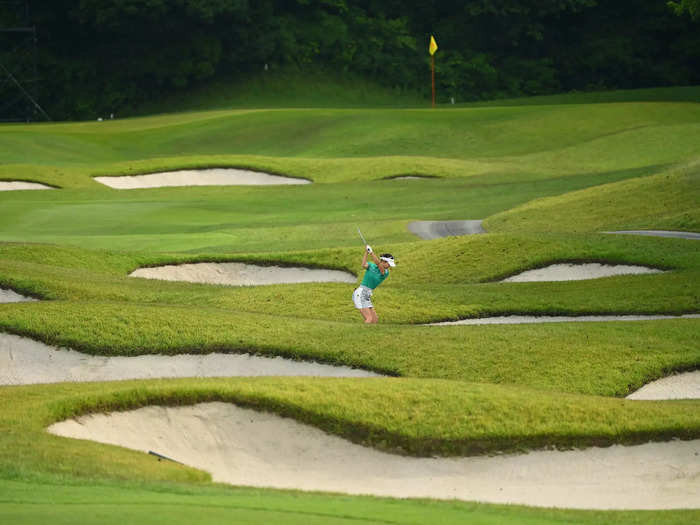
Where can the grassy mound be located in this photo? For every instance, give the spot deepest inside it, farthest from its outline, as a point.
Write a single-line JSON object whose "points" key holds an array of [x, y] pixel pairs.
{"points": [[667, 200]]}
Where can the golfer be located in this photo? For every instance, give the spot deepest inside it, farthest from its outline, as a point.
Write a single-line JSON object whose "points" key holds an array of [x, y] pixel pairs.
{"points": [[376, 272]]}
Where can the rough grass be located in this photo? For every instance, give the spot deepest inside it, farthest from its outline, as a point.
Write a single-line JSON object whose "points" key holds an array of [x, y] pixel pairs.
{"points": [[611, 359], [446, 279]]}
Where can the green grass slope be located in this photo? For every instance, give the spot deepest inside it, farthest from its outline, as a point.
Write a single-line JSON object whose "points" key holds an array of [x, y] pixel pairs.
{"points": [[483, 160], [518, 139], [666, 201], [549, 176]]}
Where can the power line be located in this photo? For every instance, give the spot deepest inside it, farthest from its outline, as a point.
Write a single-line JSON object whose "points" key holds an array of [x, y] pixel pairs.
{"points": [[19, 43], [26, 93]]}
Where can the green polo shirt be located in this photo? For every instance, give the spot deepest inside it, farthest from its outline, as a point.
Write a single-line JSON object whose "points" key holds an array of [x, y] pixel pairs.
{"points": [[373, 277]]}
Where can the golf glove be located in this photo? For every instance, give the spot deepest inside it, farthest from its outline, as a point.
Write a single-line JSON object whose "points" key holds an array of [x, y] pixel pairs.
{"points": [[369, 249]]}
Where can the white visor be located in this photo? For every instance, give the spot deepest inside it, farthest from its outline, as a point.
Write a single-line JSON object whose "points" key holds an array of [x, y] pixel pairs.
{"points": [[390, 260]]}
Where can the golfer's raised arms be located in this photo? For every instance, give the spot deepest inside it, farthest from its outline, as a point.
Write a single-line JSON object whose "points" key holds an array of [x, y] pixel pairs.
{"points": [[375, 274]]}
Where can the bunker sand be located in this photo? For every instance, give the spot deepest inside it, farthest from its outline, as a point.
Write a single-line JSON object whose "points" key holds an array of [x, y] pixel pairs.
{"points": [[239, 274], [10, 296], [204, 177], [25, 361], [578, 272], [245, 447], [13, 185]]}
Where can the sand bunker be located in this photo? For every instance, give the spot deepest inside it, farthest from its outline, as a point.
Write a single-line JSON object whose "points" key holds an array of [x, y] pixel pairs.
{"points": [[577, 272], [204, 177], [523, 319], [244, 447], [676, 386], [24, 361], [21, 185], [10, 296], [240, 274], [412, 177], [661, 233], [436, 229]]}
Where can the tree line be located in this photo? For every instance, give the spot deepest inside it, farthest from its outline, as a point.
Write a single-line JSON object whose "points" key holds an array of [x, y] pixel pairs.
{"points": [[97, 56]]}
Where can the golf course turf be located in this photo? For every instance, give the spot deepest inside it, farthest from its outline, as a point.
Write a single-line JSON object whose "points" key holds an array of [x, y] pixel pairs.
{"points": [[546, 179]]}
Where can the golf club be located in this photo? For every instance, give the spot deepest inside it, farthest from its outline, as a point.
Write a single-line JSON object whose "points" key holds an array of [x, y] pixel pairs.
{"points": [[362, 236]]}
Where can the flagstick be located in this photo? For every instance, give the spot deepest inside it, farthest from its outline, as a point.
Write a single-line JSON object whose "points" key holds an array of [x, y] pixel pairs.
{"points": [[432, 75]]}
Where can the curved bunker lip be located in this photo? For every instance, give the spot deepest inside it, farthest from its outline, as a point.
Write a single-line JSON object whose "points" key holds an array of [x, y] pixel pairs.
{"points": [[429, 230], [411, 177], [24, 361], [241, 274], [577, 272], [244, 447], [525, 319], [660, 233], [684, 385], [10, 296], [11, 185], [202, 177]]}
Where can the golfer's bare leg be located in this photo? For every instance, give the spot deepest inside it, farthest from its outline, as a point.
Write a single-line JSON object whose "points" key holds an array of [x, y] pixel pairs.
{"points": [[371, 316], [367, 314]]}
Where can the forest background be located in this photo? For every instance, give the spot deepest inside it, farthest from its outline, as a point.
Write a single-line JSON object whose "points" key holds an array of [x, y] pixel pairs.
{"points": [[96, 57]]}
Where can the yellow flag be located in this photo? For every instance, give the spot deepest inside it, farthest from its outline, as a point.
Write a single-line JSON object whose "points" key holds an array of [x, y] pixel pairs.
{"points": [[433, 45]]}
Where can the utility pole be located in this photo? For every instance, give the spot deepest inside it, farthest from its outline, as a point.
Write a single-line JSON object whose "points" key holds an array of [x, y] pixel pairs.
{"points": [[18, 64]]}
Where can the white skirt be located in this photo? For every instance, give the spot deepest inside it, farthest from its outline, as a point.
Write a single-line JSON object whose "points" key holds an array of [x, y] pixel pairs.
{"points": [[362, 297]]}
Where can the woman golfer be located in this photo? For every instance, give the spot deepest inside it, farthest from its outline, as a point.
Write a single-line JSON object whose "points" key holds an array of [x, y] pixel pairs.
{"points": [[376, 272]]}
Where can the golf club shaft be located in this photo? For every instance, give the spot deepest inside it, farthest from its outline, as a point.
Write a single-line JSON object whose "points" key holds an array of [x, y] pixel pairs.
{"points": [[362, 236]]}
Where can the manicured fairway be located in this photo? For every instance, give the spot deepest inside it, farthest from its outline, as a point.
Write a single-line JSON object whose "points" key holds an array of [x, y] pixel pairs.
{"points": [[114, 503], [547, 179]]}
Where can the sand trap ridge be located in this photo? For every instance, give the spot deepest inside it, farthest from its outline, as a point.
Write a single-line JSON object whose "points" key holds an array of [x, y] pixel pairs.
{"points": [[429, 230], [10, 296], [240, 274], [24, 361], [676, 386], [413, 177], [22, 185], [524, 319], [203, 177], [577, 272], [660, 233], [244, 447]]}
